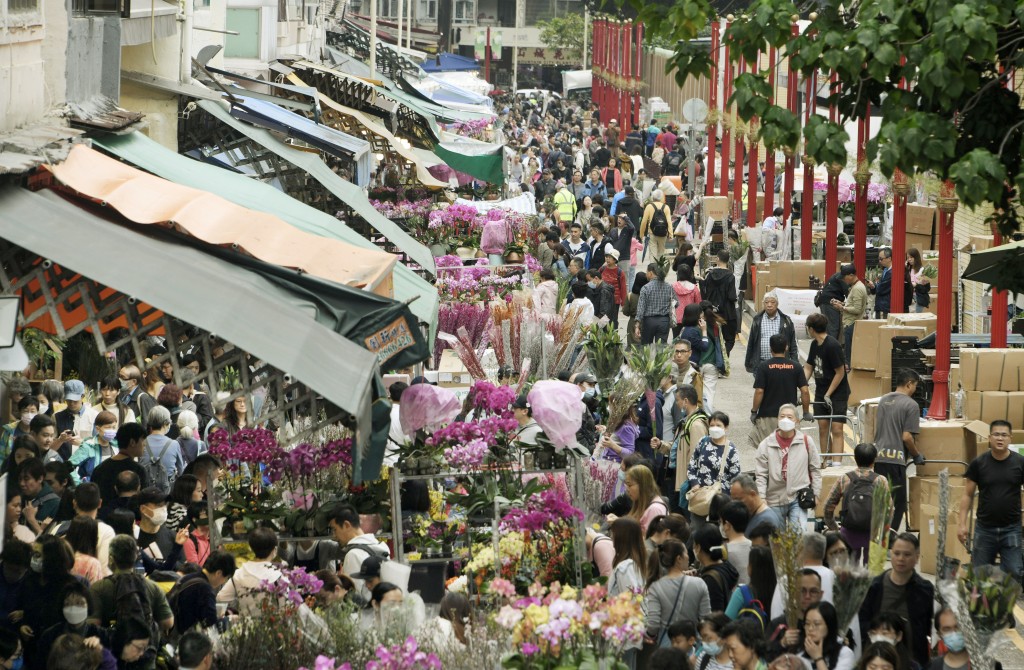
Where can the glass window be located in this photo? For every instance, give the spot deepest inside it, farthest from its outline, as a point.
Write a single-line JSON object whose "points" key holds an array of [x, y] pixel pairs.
{"points": [[465, 11], [427, 11], [246, 44]]}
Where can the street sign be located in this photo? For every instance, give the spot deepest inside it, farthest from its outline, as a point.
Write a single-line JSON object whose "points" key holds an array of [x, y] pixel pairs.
{"points": [[695, 110]]}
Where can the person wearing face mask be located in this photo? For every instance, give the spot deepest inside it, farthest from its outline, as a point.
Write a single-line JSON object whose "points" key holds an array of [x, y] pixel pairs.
{"points": [[952, 643], [603, 296], [28, 407], [134, 395], [891, 628], [787, 462], [714, 464], [97, 448], [713, 654], [156, 541], [75, 603]]}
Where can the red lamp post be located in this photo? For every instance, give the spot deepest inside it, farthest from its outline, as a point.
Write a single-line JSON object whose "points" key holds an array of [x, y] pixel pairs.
{"points": [[726, 132], [737, 174], [807, 202], [998, 318], [832, 196], [862, 177], [948, 204], [769, 159], [901, 189], [709, 187]]}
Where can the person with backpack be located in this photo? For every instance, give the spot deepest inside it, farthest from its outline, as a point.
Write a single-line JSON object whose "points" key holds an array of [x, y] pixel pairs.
{"points": [[126, 594], [672, 165], [40, 502], [162, 460], [753, 598], [353, 547], [193, 600], [656, 223], [856, 491]]}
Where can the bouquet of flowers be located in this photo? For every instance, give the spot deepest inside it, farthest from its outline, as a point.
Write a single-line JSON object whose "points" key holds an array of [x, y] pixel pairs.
{"points": [[983, 599], [459, 223], [560, 627], [849, 590]]}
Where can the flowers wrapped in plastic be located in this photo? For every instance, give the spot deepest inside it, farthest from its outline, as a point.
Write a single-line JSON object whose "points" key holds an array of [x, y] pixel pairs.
{"points": [[425, 406], [983, 599], [558, 410]]}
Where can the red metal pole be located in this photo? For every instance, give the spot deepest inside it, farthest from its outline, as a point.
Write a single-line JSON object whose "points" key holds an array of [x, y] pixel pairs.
{"points": [[752, 160], [832, 197], [726, 134], [639, 71], [939, 408], [487, 57], [769, 157], [807, 204], [713, 99], [627, 75], [901, 188], [863, 177], [737, 173], [997, 321], [791, 97]]}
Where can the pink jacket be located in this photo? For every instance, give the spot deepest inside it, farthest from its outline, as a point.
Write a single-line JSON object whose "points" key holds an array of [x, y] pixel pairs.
{"points": [[686, 296], [634, 247], [617, 177]]}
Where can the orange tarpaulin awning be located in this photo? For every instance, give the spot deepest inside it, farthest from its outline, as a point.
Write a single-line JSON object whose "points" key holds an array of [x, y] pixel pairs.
{"points": [[145, 199]]}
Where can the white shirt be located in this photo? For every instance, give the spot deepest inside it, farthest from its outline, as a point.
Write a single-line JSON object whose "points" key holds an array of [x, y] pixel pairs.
{"points": [[354, 560], [395, 436], [828, 578], [242, 590]]}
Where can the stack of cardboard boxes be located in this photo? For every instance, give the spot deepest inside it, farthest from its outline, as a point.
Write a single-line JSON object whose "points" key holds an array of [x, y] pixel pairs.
{"points": [[920, 226], [789, 274], [993, 385], [871, 358]]}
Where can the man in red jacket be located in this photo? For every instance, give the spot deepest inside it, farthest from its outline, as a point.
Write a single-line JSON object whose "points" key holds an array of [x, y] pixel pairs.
{"points": [[616, 278]]}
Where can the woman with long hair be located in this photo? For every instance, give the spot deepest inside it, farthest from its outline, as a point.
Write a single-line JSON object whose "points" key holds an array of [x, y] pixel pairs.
{"points": [[712, 361], [236, 415], [110, 391], [153, 381], [83, 536], [619, 441], [645, 494], [629, 567], [715, 460], [612, 177], [52, 560], [184, 492], [14, 527], [760, 585], [22, 449], [687, 293], [820, 640], [921, 283], [675, 596]]}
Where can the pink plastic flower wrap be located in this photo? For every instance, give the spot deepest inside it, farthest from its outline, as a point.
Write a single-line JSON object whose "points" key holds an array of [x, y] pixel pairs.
{"points": [[427, 406], [557, 409]]}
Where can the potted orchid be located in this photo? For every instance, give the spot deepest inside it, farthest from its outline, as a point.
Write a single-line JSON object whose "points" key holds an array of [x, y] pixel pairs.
{"points": [[459, 223]]}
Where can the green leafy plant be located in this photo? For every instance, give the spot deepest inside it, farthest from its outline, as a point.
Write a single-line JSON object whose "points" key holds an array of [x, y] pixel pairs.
{"points": [[652, 362], [604, 351]]}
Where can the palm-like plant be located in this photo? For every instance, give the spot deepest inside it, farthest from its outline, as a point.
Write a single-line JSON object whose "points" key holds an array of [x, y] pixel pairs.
{"points": [[653, 362], [604, 351]]}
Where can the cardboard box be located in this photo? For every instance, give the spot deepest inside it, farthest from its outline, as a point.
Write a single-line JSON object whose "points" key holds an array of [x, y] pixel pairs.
{"points": [[977, 436], [919, 241], [972, 405], [870, 413], [865, 344], [929, 527], [716, 207], [990, 369], [954, 377], [1013, 362], [929, 488], [969, 368], [944, 441], [920, 221], [980, 243], [451, 373], [993, 406], [923, 320], [915, 498], [1015, 408], [884, 353], [865, 385], [829, 477]]}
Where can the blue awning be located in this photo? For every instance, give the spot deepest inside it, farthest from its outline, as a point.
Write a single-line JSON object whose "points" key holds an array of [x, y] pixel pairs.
{"points": [[449, 62], [273, 117]]}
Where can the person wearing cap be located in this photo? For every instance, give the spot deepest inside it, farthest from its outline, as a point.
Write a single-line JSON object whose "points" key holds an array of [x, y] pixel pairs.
{"points": [[154, 538], [565, 204], [769, 321], [545, 188], [369, 571], [852, 309], [77, 417], [835, 290], [526, 435]]}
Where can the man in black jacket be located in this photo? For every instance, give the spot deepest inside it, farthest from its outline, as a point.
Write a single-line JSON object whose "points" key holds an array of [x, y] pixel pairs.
{"points": [[621, 238], [836, 288], [719, 288], [769, 321], [630, 206], [603, 297], [903, 591], [194, 599]]}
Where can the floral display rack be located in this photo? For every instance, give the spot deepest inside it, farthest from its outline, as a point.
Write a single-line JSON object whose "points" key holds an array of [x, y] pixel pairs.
{"points": [[574, 478]]}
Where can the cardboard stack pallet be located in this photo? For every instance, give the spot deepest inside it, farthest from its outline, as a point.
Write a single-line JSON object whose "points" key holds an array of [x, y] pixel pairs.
{"points": [[920, 226], [871, 358], [993, 384], [789, 274]]}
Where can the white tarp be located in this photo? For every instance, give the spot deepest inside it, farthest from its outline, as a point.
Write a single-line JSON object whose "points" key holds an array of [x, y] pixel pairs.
{"points": [[523, 204], [576, 80]]}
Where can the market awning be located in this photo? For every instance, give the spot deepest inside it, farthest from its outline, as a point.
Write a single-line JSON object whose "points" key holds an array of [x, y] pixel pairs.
{"points": [[998, 266], [449, 62], [351, 195], [259, 316], [334, 142], [481, 160], [147, 199], [147, 154], [372, 125]]}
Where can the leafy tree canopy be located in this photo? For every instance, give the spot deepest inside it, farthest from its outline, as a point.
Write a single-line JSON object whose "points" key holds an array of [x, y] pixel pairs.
{"points": [[956, 118], [565, 32]]}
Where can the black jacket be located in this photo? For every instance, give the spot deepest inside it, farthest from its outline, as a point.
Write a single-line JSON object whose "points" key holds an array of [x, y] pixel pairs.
{"points": [[604, 300], [835, 289], [920, 604], [622, 239], [754, 341], [631, 207], [721, 579], [719, 288], [619, 506]]}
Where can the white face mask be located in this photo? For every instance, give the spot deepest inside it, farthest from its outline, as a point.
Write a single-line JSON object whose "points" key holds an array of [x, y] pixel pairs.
{"points": [[787, 424], [26, 417], [75, 615], [878, 637], [716, 432], [43, 406], [159, 516]]}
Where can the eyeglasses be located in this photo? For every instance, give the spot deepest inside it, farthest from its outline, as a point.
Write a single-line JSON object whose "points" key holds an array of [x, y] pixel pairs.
{"points": [[999, 435], [682, 351]]}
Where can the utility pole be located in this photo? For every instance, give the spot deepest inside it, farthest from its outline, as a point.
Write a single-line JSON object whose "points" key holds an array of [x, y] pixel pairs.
{"points": [[373, 37], [520, 10], [586, 33], [401, 9]]}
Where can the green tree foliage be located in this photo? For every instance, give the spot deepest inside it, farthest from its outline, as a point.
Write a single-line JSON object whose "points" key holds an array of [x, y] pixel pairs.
{"points": [[565, 32], [956, 118]]}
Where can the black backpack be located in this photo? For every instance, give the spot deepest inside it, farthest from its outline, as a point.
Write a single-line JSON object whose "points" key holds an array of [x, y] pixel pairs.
{"points": [[131, 600], [154, 468], [858, 502], [673, 161], [659, 222]]}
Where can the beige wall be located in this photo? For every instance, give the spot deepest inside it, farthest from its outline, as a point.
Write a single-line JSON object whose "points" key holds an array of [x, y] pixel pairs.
{"points": [[32, 61], [161, 109]]}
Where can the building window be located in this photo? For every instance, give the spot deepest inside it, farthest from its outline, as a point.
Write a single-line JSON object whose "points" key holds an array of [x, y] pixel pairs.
{"points": [[427, 11], [81, 7], [22, 6], [387, 9], [246, 44], [465, 12]]}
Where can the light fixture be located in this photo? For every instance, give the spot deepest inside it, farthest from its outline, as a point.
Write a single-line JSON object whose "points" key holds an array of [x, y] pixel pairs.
{"points": [[10, 307]]}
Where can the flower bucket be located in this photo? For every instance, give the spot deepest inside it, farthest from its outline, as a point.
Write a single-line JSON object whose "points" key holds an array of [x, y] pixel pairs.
{"points": [[466, 253], [370, 523], [439, 250]]}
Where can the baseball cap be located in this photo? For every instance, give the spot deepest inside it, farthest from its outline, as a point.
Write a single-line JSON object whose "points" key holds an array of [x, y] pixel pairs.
{"points": [[73, 389], [586, 378], [369, 568], [151, 496], [521, 402]]}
